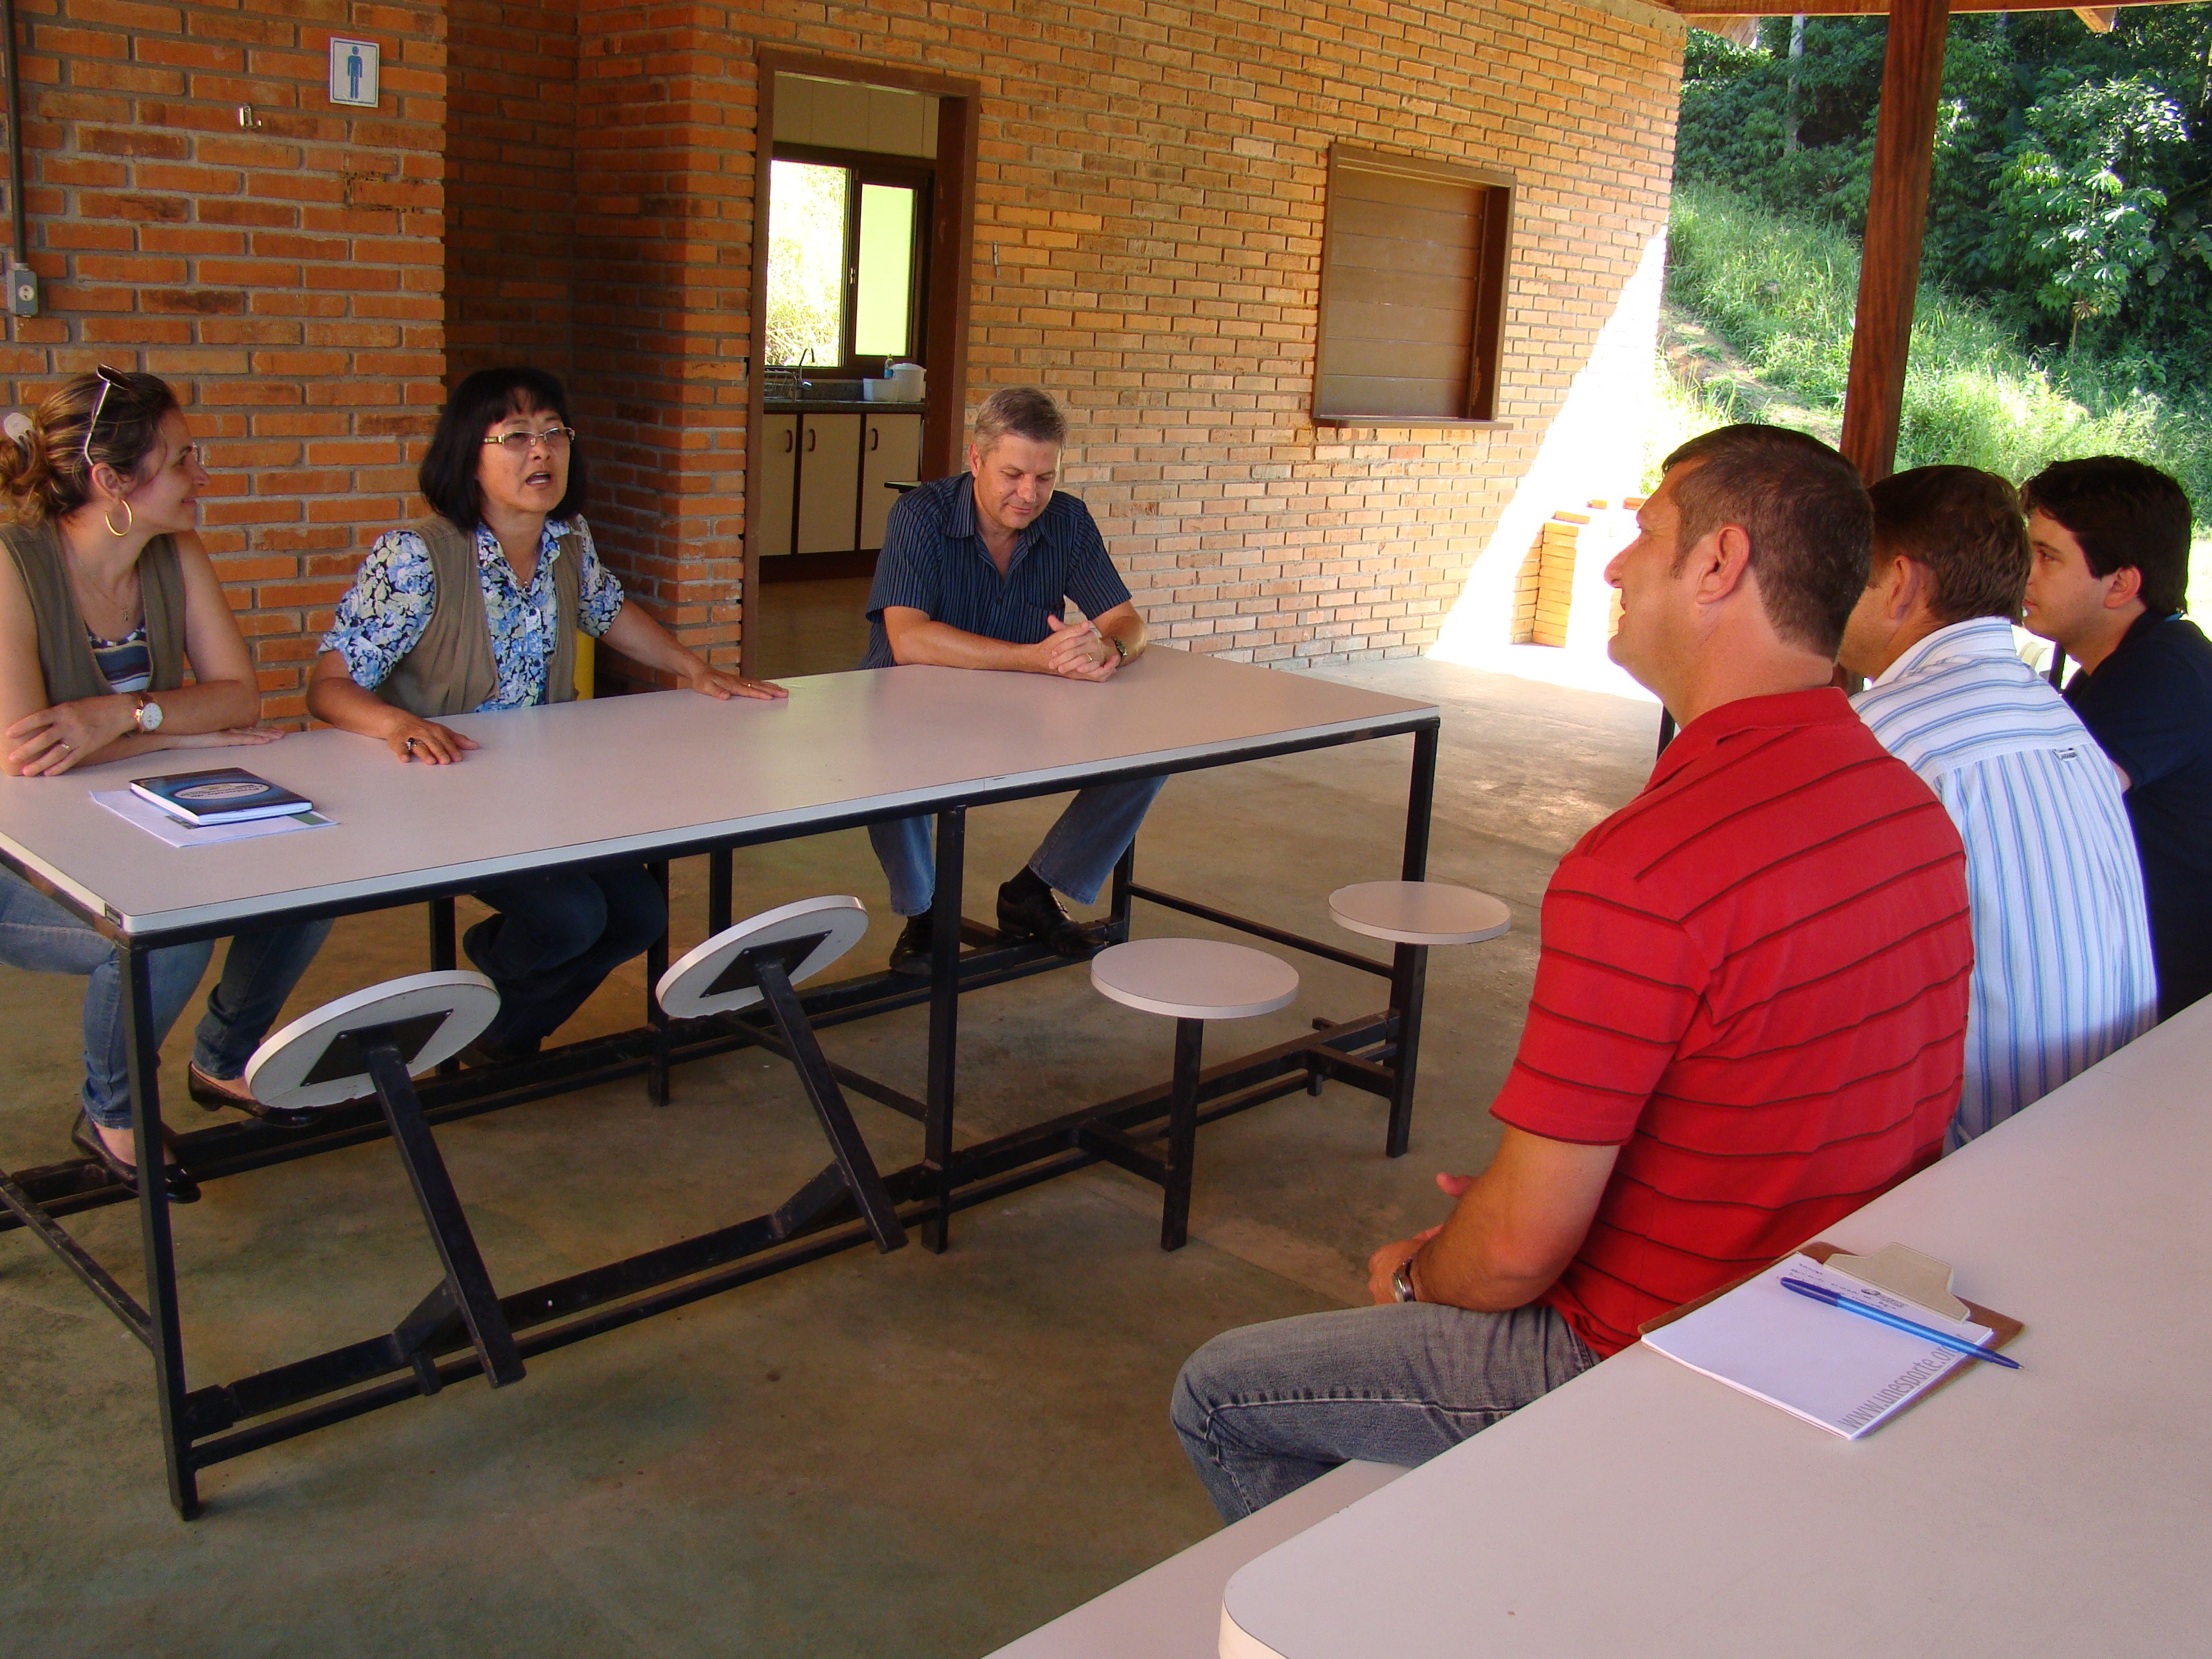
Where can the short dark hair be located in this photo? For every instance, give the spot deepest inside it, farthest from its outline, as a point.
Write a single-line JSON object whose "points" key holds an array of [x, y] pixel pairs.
{"points": [[1807, 514], [447, 476], [1022, 410], [2124, 514], [1964, 527]]}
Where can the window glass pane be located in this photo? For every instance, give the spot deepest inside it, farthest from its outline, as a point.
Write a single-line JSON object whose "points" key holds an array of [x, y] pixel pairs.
{"points": [[882, 309], [806, 210]]}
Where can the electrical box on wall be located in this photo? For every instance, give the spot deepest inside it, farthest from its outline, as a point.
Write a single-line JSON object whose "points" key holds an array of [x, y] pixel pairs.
{"points": [[23, 291], [353, 72]]}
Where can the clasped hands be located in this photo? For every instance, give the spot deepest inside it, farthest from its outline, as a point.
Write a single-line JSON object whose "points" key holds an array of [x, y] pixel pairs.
{"points": [[1076, 651], [1383, 1266]]}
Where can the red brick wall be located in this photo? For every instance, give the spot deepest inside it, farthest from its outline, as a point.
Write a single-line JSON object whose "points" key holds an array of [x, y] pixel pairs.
{"points": [[1147, 247], [511, 197], [286, 279]]}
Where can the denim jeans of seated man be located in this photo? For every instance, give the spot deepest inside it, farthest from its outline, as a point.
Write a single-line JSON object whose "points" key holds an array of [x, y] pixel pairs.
{"points": [[1076, 856], [556, 937], [1264, 1409], [259, 972]]}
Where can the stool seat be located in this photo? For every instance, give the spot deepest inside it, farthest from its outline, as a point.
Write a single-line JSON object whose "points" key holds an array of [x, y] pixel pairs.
{"points": [[1419, 912], [1193, 978], [804, 936], [318, 1062]]}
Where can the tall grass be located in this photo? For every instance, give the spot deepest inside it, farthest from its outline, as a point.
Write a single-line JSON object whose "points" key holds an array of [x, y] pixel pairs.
{"points": [[1782, 293]]}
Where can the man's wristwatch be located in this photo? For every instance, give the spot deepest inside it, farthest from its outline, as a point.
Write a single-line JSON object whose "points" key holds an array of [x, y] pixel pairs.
{"points": [[1402, 1282], [146, 714], [1121, 651]]}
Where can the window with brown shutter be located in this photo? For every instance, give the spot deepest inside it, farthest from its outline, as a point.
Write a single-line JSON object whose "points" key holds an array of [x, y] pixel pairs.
{"points": [[1413, 292]]}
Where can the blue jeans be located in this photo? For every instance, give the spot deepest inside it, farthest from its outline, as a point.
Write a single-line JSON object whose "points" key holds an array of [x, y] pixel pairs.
{"points": [[554, 938], [1076, 856], [1264, 1409], [259, 972]]}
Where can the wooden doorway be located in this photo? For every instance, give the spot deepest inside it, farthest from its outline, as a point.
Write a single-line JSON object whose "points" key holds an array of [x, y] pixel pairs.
{"points": [[805, 574]]}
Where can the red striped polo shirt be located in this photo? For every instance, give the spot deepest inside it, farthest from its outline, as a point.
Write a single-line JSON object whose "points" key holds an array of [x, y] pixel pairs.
{"points": [[1753, 982]]}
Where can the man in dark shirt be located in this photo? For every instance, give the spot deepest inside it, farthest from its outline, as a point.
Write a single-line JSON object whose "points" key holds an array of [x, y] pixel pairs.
{"points": [[2111, 576], [975, 571]]}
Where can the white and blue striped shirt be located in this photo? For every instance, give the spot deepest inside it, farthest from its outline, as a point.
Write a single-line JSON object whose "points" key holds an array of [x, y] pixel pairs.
{"points": [[2062, 972]]}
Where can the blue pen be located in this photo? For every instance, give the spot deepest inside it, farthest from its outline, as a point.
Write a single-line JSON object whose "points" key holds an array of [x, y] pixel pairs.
{"points": [[1942, 1338]]}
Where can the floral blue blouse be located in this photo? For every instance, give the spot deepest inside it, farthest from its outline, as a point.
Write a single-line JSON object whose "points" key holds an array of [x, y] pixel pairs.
{"points": [[384, 615]]}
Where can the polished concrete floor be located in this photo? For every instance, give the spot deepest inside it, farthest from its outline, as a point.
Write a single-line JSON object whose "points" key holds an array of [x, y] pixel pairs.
{"points": [[914, 1455], [817, 626]]}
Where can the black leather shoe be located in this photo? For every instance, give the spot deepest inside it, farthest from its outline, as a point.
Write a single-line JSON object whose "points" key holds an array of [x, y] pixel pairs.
{"points": [[183, 1190], [912, 954], [1037, 915]]}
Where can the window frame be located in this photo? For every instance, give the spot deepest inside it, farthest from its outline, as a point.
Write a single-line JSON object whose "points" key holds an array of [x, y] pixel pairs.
{"points": [[917, 173], [1494, 269]]}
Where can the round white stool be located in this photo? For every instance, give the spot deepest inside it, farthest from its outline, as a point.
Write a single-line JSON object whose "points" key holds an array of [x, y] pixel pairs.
{"points": [[1415, 915], [1419, 912], [759, 960], [1191, 981], [371, 1043]]}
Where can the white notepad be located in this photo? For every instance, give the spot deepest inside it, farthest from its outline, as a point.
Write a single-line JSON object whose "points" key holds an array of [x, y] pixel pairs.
{"points": [[1829, 1367]]}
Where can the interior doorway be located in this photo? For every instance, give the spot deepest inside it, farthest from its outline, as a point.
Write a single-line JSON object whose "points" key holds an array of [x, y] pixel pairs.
{"points": [[863, 238]]}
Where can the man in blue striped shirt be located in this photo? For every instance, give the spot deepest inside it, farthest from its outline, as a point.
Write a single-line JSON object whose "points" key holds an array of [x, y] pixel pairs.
{"points": [[2063, 971], [977, 571]]}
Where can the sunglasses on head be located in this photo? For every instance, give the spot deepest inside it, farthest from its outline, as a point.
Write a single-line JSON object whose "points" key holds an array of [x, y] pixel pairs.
{"points": [[109, 379]]}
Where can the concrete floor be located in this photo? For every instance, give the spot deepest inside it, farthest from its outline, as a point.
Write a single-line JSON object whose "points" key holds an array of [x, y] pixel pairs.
{"points": [[918, 1454]]}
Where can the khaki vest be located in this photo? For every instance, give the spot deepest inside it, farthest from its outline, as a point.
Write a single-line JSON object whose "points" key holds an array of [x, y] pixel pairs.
{"points": [[65, 656], [451, 669]]}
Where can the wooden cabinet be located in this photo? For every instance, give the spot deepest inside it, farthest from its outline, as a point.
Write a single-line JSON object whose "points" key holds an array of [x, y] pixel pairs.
{"points": [[890, 448], [822, 477], [828, 482], [770, 520]]}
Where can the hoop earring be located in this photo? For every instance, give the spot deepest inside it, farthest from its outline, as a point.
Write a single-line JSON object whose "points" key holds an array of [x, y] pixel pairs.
{"points": [[130, 519]]}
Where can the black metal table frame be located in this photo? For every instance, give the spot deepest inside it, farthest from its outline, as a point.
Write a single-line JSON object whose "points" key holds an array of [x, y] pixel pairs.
{"points": [[1376, 1053]]}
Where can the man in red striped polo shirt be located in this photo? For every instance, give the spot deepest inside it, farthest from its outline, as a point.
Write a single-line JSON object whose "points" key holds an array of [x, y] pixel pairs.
{"points": [[1749, 1016]]}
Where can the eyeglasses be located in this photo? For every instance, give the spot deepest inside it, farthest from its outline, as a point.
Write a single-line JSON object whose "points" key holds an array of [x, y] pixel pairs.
{"points": [[518, 444], [108, 378]]}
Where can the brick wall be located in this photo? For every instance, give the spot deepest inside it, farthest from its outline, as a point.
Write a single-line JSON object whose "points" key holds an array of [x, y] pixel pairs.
{"points": [[1148, 228], [511, 199], [285, 278], [1148, 222]]}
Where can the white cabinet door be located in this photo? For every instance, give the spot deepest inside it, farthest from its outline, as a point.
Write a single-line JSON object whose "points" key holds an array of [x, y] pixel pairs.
{"points": [[770, 522], [828, 482], [890, 448]]}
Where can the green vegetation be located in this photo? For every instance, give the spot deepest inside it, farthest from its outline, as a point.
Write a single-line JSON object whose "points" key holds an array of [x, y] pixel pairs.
{"points": [[2066, 305], [1775, 298]]}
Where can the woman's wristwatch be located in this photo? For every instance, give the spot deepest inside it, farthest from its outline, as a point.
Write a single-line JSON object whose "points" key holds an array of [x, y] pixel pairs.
{"points": [[1402, 1282], [146, 714]]}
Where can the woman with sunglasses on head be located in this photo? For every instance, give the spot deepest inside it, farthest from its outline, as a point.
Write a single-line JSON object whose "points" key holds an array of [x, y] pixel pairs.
{"points": [[475, 610], [105, 597]]}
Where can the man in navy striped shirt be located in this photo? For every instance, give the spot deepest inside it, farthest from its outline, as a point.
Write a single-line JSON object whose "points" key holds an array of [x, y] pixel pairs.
{"points": [[2063, 968], [976, 572]]}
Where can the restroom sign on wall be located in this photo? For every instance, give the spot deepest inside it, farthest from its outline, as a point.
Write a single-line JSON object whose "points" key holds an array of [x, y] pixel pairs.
{"points": [[353, 72]]}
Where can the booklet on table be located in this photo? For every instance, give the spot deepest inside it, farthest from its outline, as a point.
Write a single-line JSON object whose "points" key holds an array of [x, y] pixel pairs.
{"points": [[223, 794]]}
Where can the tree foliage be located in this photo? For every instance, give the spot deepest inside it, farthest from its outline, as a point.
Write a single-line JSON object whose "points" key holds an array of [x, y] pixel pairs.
{"points": [[2073, 183]]}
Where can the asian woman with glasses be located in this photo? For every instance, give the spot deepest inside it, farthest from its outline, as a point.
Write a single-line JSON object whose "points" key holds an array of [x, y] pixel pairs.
{"points": [[477, 609], [107, 596]]}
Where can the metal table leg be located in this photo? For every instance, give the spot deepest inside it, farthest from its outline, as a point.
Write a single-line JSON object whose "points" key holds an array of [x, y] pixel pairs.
{"points": [[944, 1022], [1183, 1134], [144, 1054], [1409, 963], [659, 1082]]}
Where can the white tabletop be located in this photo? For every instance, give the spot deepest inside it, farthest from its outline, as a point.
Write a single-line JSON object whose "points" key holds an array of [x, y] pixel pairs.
{"points": [[644, 774], [2064, 1509]]}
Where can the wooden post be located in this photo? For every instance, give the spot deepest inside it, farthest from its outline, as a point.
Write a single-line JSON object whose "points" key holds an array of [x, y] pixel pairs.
{"points": [[1897, 220]]}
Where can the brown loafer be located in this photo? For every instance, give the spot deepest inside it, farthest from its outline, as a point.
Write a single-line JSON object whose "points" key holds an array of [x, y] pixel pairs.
{"points": [[214, 1093]]}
